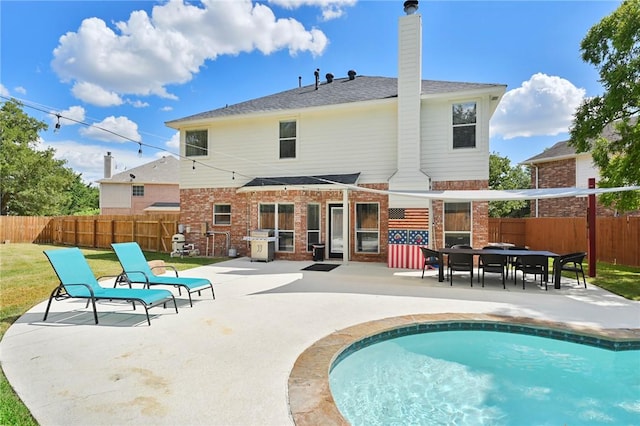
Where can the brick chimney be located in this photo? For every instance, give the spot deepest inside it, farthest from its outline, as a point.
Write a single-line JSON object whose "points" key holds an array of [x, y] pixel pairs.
{"points": [[408, 175]]}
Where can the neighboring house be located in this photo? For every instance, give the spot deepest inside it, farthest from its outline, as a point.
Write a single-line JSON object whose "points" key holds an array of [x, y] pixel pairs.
{"points": [[561, 167], [150, 188], [316, 164]]}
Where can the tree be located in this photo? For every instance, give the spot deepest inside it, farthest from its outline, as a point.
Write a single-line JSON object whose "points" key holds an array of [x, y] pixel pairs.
{"points": [[32, 181], [613, 46], [503, 176]]}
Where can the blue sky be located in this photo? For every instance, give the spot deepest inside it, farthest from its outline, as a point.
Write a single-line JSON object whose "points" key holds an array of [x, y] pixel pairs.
{"points": [[130, 66]]}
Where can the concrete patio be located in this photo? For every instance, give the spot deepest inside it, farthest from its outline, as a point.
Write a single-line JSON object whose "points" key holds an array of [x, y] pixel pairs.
{"points": [[227, 361]]}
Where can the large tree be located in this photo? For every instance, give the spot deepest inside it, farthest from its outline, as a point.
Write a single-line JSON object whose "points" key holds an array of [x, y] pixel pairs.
{"points": [[503, 176], [608, 125], [32, 181]]}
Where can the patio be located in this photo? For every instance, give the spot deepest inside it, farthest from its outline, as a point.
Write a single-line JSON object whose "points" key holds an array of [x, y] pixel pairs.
{"points": [[227, 361]]}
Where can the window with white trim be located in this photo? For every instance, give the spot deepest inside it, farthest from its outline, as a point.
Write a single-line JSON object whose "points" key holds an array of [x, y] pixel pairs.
{"points": [[367, 228], [287, 139], [222, 214], [464, 125], [280, 218], [196, 143], [137, 190], [457, 224]]}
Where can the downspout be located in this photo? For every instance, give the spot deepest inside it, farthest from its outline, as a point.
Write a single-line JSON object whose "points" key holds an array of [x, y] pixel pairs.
{"points": [[346, 245], [537, 187]]}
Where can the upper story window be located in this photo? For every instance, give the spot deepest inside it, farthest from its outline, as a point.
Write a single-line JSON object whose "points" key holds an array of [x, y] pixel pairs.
{"points": [[196, 143], [464, 125], [222, 214], [288, 139]]}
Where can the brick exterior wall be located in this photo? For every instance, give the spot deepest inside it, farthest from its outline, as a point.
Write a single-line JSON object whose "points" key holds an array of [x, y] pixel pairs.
{"points": [[561, 174], [479, 212], [196, 209]]}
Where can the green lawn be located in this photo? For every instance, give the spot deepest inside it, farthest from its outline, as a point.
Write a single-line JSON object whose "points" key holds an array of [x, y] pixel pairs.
{"points": [[28, 279]]}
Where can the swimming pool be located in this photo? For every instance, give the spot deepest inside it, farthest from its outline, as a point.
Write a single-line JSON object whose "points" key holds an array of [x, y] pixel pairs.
{"points": [[311, 401], [474, 377]]}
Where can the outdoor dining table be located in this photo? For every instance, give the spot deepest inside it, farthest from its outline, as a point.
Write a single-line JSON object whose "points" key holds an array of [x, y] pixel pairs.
{"points": [[501, 252]]}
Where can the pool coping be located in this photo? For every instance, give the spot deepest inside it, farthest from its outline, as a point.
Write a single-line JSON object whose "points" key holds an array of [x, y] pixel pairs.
{"points": [[309, 394]]}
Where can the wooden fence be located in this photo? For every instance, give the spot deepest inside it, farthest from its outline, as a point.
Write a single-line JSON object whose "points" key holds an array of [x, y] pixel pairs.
{"points": [[617, 238], [152, 232]]}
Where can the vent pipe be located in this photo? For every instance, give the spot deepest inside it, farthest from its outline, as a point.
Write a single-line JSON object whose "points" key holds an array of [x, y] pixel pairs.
{"points": [[410, 7], [107, 165], [351, 74], [299, 81], [316, 73], [329, 77]]}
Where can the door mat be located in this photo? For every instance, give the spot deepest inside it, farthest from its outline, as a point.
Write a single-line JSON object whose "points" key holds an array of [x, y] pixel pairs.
{"points": [[323, 267]]}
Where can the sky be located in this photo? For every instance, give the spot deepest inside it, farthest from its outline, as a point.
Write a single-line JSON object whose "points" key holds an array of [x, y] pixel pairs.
{"points": [[116, 71]]}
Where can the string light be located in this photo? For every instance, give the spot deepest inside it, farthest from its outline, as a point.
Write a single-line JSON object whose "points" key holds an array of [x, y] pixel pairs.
{"points": [[233, 175], [57, 126], [193, 165], [139, 149]]}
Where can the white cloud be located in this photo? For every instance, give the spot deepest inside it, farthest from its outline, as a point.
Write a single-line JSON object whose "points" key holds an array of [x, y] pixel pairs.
{"points": [[173, 144], [331, 9], [166, 108], [95, 94], [4, 91], [542, 106], [137, 103], [146, 53], [111, 129], [70, 116], [21, 90]]}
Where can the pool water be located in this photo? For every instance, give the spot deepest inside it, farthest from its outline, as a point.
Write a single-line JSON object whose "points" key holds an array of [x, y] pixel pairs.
{"points": [[487, 378]]}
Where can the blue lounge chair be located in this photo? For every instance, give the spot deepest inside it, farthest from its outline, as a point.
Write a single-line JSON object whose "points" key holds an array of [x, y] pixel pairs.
{"points": [[78, 281], [135, 269]]}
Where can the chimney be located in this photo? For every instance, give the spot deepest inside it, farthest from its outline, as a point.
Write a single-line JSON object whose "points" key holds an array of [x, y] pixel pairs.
{"points": [[107, 165], [408, 175]]}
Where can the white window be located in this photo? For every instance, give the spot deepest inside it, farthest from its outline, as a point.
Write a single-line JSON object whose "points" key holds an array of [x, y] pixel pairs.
{"points": [[279, 217], [313, 225], [222, 214], [457, 224], [137, 190], [367, 228], [196, 143], [464, 125], [288, 139]]}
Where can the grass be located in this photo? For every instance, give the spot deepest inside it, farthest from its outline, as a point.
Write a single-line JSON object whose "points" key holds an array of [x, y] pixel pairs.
{"points": [[28, 279]]}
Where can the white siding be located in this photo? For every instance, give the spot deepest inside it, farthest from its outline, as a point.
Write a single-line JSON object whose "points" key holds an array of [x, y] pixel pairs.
{"points": [[115, 195], [438, 158], [359, 139], [585, 170]]}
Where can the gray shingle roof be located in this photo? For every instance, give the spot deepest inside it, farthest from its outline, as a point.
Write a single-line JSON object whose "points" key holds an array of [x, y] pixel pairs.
{"points": [[559, 150], [164, 170], [340, 91], [349, 179]]}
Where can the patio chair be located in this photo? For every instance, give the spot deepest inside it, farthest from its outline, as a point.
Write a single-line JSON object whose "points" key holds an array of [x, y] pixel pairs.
{"points": [[534, 264], [513, 261], [460, 262], [571, 262], [78, 281], [493, 263], [135, 269], [431, 258]]}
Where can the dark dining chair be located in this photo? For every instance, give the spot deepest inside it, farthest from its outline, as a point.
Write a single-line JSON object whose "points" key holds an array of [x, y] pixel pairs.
{"points": [[571, 262], [460, 262], [493, 263], [431, 258], [512, 261], [536, 265]]}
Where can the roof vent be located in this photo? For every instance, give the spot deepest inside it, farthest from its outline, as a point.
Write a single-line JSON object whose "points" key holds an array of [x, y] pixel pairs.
{"points": [[316, 73], [329, 77], [351, 74]]}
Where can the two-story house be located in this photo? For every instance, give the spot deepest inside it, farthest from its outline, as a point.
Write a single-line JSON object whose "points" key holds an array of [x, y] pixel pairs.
{"points": [[324, 163], [150, 188]]}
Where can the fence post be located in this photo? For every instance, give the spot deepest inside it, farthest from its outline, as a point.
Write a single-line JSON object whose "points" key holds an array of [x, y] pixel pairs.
{"points": [[591, 226]]}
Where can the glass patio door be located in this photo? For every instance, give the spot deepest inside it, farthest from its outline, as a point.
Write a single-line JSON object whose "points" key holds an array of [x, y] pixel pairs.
{"points": [[336, 231]]}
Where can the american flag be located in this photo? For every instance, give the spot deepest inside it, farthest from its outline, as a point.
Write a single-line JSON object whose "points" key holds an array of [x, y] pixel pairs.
{"points": [[405, 256]]}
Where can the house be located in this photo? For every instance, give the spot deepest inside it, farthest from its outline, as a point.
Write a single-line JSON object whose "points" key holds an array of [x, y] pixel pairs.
{"points": [[562, 167], [316, 164], [150, 188]]}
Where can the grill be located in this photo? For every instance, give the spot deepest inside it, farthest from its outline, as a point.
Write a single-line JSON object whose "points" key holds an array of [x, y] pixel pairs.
{"points": [[263, 244]]}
